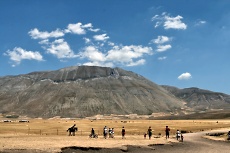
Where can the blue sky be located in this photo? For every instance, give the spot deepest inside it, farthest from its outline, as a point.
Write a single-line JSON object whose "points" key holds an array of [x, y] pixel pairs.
{"points": [[182, 43]]}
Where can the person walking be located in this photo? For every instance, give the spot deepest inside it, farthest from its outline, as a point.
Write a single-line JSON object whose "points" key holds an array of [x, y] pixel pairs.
{"points": [[123, 132], [167, 129], [150, 132]]}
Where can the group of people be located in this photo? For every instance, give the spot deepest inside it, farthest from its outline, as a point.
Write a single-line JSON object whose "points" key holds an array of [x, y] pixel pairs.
{"points": [[179, 135], [108, 131], [149, 133]]}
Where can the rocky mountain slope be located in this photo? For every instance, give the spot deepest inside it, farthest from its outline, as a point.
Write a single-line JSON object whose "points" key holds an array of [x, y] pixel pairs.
{"points": [[201, 100], [82, 91]]}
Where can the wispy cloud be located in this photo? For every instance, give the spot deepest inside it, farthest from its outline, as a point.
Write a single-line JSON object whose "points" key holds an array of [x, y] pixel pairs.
{"points": [[185, 76], [169, 22], [18, 54], [162, 58], [200, 22]]}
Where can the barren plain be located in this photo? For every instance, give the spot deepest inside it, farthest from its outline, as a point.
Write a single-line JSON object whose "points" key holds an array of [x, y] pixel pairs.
{"points": [[39, 135]]}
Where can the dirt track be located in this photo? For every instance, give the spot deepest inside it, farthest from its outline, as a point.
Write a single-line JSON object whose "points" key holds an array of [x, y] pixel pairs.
{"points": [[195, 143]]}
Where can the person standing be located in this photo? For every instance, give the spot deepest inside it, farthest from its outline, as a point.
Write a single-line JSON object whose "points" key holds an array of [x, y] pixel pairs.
{"points": [[150, 132], [92, 133], [123, 132], [105, 131], [167, 129], [178, 135]]}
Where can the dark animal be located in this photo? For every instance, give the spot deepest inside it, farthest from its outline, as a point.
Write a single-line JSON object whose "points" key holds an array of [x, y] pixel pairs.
{"points": [[72, 131]]}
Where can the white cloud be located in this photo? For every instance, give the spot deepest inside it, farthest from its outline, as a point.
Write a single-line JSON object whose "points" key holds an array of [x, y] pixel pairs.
{"points": [[111, 43], [76, 29], [88, 25], [79, 28], [36, 34], [161, 40], [87, 40], [169, 22], [121, 55], [174, 23], [94, 30], [125, 54], [162, 48], [93, 54], [135, 63], [18, 54], [101, 37], [61, 49], [185, 76], [162, 58]]}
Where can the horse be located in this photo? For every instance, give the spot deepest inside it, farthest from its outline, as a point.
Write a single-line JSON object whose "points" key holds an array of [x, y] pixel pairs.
{"points": [[72, 131]]}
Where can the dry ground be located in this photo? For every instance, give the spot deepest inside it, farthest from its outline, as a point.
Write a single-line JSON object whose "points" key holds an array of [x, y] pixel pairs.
{"points": [[50, 135]]}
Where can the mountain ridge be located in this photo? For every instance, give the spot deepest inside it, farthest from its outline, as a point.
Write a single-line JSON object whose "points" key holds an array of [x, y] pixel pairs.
{"points": [[83, 91]]}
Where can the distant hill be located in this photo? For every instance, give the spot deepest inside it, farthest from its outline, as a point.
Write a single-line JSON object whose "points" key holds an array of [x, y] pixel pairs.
{"points": [[199, 99], [82, 91]]}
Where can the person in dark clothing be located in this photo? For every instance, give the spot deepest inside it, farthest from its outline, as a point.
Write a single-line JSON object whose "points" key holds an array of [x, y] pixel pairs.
{"points": [[123, 132], [92, 132], [167, 129], [150, 132]]}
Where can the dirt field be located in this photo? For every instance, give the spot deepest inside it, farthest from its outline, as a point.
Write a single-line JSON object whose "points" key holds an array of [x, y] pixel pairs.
{"points": [[50, 135]]}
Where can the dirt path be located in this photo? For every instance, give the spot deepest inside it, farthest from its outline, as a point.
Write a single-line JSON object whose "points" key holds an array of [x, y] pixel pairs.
{"points": [[195, 143]]}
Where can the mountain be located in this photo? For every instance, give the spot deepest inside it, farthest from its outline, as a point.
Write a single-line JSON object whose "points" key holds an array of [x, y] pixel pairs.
{"points": [[82, 91], [202, 103]]}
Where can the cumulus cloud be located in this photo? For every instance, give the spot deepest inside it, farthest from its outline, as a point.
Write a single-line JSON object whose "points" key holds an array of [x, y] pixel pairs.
{"points": [[36, 34], [60, 49], [174, 23], [75, 28], [162, 48], [99, 51], [93, 54], [79, 28], [18, 54], [169, 22], [101, 37], [123, 55], [185, 76]]}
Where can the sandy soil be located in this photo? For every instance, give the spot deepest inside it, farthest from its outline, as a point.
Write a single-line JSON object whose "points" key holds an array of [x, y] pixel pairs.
{"points": [[55, 143], [194, 142]]}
